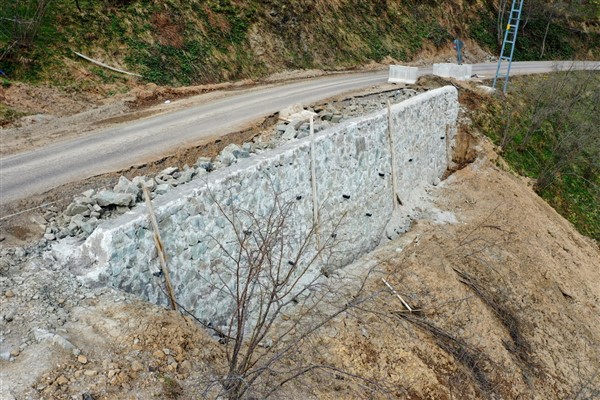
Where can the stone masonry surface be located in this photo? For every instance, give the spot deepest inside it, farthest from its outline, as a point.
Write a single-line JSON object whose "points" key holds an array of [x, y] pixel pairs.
{"points": [[354, 197]]}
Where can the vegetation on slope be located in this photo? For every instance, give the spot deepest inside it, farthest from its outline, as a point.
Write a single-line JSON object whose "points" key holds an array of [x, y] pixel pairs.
{"points": [[548, 130], [199, 41], [549, 30], [181, 42]]}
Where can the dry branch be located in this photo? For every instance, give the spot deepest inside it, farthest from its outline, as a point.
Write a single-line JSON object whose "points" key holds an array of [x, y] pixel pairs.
{"points": [[404, 303], [104, 65], [472, 358]]}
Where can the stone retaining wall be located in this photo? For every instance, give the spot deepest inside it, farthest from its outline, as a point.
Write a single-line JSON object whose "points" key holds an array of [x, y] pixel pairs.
{"points": [[352, 193]]}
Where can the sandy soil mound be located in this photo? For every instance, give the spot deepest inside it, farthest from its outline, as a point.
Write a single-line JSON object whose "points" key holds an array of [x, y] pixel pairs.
{"points": [[507, 300]]}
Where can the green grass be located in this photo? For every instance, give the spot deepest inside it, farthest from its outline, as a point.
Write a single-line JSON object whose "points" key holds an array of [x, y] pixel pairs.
{"points": [[575, 199], [553, 137], [9, 114], [178, 42]]}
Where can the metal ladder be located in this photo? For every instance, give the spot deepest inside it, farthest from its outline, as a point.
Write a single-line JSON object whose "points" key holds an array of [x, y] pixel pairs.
{"points": [[510, 38]]}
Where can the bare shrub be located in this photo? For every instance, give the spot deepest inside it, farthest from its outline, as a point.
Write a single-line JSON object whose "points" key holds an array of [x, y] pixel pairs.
{"points": [[282, 294], [21, 21]]}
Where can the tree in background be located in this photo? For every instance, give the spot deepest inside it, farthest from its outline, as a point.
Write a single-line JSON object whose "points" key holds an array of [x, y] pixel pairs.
{"points": [[548, 130], [21, 21], [563, 110]]}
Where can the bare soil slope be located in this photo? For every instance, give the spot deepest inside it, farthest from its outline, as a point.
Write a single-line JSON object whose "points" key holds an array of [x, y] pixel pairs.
{"points": [[509, 301]]}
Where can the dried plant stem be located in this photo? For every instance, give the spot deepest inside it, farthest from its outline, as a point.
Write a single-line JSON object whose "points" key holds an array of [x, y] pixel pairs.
{"points": [[404, 303]]}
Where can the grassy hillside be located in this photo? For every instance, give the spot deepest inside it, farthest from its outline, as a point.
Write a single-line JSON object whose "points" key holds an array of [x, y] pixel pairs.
{"points": [[548, 130], [184, 42]]}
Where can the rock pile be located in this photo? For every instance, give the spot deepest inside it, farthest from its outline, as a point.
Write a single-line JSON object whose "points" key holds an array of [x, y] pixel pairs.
{"points": [[54, 293], [295, 119], [85, 212]]}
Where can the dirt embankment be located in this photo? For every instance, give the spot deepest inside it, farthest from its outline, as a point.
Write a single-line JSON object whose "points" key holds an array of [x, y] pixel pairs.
{"points": [[508, 304], [507, 300], [510, 300]]}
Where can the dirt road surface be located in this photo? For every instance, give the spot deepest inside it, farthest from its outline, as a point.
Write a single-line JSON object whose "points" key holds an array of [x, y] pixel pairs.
{"points": [[135, 142]]}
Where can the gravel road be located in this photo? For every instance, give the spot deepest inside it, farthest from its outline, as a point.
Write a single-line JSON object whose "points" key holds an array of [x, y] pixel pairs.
{"points": [[135, 142]]}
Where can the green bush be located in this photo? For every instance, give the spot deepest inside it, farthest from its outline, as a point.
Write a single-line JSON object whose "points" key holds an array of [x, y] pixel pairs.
{"points": [[548, 130]]}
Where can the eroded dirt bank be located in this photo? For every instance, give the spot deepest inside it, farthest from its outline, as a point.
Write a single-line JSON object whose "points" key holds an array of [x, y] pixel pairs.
{"points": [[508, 300], [506, 293]]}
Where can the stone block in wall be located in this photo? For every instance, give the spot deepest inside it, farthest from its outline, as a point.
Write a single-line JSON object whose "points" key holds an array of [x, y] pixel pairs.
{"points": [[353, 195]]}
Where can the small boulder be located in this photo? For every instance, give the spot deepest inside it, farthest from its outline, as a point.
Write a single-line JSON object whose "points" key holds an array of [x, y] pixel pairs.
{"points": [[232, 147], [62, 380], [227, 156], [287, 112], [77, 220], [186, 176], [203, 162], [126, 186], [168, 171], [109, 198], [150, 184], [302, 134], [336, 118], [162, 188], [76, 208], [241, 154], [326, 116], [89, 193], [289, 133], [136, 366], [139, 180], [297, 123], [89, 225], [248, 147], [207, 167]]}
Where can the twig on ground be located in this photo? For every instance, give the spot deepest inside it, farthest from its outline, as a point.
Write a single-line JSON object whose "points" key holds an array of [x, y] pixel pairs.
{"points": [[404, 303]]}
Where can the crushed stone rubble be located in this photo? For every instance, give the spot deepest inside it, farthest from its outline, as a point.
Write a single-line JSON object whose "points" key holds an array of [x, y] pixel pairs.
{"points": [[46, 315], [88, 209], [39, 299]]}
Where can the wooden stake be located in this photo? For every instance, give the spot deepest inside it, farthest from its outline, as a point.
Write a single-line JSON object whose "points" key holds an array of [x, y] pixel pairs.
{"points": [[395, 197], [313, 179], [160, 248]]}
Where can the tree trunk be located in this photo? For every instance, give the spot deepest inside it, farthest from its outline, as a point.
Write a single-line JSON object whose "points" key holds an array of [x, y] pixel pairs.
{"points": [[546, 32], [500, 21]]}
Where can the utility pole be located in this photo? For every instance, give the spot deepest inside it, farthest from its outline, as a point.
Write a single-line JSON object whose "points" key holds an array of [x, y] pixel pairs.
{"points": [[510, 40]]}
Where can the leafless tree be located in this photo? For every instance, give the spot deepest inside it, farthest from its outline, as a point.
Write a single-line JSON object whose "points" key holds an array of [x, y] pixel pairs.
{"points": [[281, 297], [500, 21], [21, 21], [544, 10], [562, 104]]}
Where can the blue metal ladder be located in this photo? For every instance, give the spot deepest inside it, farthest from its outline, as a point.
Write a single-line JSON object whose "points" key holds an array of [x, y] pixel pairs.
{"points": [[510, 40]]}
